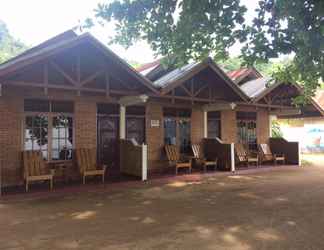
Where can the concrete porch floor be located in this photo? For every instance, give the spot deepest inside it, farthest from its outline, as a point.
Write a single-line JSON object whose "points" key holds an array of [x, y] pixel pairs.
{"points": [[267, 208]]}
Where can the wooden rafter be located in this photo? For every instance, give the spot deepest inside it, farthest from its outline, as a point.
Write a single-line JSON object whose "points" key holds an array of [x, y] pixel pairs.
{"points": [[91, 77], [201, 89], [65, 74], [185, 89]]}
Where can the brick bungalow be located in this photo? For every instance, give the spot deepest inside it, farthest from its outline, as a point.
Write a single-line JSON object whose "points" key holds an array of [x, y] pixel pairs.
{"points": [[72, 92]]}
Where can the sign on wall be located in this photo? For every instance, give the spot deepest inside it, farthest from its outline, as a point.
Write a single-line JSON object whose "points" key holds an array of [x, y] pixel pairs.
{"points": [[155, 123]]}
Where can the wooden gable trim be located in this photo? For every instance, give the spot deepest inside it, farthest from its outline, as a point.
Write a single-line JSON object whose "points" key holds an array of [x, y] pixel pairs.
{"points": [[198, 68], [24, 61], [296, 86]]}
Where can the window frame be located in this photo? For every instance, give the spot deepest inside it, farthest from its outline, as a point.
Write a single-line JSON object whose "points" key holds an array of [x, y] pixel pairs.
{"points": [[50, 116]]}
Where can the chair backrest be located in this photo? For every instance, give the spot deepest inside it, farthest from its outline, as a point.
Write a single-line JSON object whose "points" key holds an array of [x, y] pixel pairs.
{"points": [[172, 152], [34, 164], [265, 149], [86, 159], [240, 152], [197, 151]]}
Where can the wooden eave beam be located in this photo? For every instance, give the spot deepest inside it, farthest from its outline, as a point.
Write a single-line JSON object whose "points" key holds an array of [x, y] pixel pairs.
{"points": [[91, 77], [66, 87]]}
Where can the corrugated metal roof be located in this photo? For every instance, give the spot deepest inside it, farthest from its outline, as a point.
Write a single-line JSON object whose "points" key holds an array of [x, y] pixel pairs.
{"points": [[255, 87], [235, 74], [174, 75]]}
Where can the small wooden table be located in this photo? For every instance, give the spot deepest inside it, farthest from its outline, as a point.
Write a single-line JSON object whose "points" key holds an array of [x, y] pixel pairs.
{"points": [[61, 167]]}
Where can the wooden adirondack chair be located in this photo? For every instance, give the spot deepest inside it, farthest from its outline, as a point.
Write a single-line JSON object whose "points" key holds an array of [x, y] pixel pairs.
{"points": [[87, 163], [35, 168], [245, 157], [199, 156], [267, 155], [175, 158]]}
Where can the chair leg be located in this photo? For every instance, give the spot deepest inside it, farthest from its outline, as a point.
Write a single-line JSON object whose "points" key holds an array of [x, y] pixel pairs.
{"points": [[176, 170], [83, 179], [103, 178], [26, 187], [51, 183]]}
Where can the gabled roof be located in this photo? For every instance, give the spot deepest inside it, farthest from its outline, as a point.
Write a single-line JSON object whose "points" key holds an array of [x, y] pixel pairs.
{"points": [[255, 88], [239, 75], [261, 87], [177, 76], [60, 43], [148, 67]]}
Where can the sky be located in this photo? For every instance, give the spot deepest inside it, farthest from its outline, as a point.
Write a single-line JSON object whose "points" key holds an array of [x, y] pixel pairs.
{"points": [[35, 21]]}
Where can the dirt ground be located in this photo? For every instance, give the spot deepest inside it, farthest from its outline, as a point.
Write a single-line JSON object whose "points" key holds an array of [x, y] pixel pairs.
{"points": [[281, 209]]}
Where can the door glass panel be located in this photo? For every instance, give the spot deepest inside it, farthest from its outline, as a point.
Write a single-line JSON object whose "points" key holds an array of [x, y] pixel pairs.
{"points": [[135, 129], [184, 135], [170, 131]]}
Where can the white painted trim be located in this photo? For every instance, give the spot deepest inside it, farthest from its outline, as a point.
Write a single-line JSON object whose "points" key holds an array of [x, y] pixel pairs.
{"points": [[122, 122], [220, 106], [232, 158], [144, 162], [133, 100], [205, 125]]}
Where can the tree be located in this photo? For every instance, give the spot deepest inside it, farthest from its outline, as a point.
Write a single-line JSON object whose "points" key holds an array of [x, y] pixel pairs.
{"points": [[187, 28], [195, 29], [290, 27], [9, 46]]}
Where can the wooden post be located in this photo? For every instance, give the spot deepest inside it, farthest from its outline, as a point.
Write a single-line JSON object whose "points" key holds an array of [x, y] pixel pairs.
{"points": [[144, 162], [205, 125], [232, 158], [122, 122], [45, 78], [107, 85]]}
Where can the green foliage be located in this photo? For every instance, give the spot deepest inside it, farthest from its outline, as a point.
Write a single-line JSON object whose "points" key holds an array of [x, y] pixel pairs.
{"points": [[276, 131], [185, 28], [196, 29], [9, 46], [290, 27]]}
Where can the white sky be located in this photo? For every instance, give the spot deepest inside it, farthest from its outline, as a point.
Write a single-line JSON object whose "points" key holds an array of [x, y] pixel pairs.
{"points": [[35, 21]]}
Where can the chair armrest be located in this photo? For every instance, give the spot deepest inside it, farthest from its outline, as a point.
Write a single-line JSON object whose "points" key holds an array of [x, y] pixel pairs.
{"points": [[52, 172]]}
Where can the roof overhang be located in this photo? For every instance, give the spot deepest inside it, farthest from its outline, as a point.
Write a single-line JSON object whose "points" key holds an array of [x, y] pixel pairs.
{"points": [[23, 61], [208, 63]]}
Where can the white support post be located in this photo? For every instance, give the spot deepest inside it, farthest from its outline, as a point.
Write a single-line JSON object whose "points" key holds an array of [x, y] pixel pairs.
{"points": [[144, 162], [122, 122], [205, 125], [232, 158]]}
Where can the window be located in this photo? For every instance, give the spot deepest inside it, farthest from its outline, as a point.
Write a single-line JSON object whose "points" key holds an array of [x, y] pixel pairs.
{"points": [[177, 128], [49, 128], [246, 128], [36, 134], [214, 124], [62, 137]]}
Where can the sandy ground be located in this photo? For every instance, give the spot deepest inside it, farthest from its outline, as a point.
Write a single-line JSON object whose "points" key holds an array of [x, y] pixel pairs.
{"points": [[282, 209]]}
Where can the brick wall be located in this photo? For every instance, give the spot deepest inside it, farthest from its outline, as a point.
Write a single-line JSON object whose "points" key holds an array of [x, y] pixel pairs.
{"points": [[85, 119], [263, 126], [228, 126], [154, 135], [197, 125], [10, 140]]}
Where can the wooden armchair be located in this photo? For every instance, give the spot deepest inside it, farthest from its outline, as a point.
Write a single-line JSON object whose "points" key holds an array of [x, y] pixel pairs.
{"points": [[87, 163], [35, 168], [267, 155], [243, 156], [175, 158], [199, 156]]}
